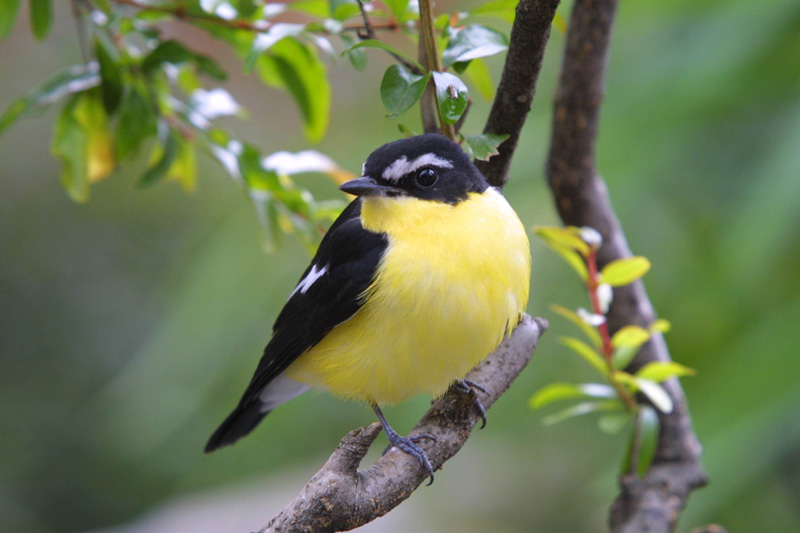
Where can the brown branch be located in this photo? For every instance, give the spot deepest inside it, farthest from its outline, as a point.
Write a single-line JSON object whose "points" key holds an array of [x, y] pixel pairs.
{"points": [[427, 103], [511, 105], [433, 62], [340, 497], [581, 197], [180, 13]]}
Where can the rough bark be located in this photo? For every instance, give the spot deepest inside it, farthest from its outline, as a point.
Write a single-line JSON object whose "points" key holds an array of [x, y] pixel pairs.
{"points": [[340, 497], [529, 36], [581, 197]]}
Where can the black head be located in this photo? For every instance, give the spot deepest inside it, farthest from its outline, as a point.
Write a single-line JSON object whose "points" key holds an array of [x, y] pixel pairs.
{"points": [[429, 167]]}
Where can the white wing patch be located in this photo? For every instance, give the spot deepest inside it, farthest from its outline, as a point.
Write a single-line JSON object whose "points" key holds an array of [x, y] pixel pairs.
{"points": [[403, 166], [279, 390], [309, 280]]}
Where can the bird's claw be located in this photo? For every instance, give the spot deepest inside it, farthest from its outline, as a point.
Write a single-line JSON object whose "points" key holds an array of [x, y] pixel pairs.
{"points": [[469, 387], [409, 446]]}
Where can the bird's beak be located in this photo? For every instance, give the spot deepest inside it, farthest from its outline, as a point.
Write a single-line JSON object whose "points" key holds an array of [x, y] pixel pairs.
{"points": [[366, 186]]}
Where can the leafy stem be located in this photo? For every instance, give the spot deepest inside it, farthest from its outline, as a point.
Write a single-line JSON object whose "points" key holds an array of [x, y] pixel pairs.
{"points": [[607, 347]]}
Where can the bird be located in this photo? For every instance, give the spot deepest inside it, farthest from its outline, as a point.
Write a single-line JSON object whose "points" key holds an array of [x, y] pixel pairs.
{"points": [[418, 280]]}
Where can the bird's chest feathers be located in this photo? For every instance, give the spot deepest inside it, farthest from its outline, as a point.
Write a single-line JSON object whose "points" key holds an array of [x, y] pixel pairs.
{"points": [[452, 282], [441, 252]]}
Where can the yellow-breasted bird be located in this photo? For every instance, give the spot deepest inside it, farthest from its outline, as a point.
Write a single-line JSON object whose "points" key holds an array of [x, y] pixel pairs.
{"points": [[416, 282]]}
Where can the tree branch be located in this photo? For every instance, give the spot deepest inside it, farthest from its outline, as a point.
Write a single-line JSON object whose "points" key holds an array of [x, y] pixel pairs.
{"points": [[581, 197], [511, 105], [433, 62], [340, 497], [180, 13]]}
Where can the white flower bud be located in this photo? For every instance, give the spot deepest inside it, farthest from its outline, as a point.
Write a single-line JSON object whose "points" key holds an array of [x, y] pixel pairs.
{"points": [[605, 295], [591, 318], [591, 236]]}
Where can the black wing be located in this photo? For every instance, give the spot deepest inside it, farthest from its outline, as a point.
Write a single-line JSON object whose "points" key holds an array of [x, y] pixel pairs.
{"points": [[348, 257]]}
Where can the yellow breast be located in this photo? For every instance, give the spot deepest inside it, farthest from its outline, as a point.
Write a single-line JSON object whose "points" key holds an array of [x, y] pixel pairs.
{"points": [[452, 283]]}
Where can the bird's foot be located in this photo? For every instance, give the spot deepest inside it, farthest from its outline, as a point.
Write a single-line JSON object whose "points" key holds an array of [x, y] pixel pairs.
{"points": [[466, 386], [407, 444]]}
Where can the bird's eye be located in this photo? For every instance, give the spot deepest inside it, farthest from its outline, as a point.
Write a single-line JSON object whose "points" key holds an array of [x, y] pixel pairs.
{"points": [[426, 177]]}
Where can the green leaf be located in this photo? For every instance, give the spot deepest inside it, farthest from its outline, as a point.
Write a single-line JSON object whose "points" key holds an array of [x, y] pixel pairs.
{"points": [[253, 172], [268, 220], [624, 271], [479, 74], [76, 79], [398, 8], [661, 325], [165, 155], [656, 394], [632, 336], [459, 68], [643, 441], [587, 352], [317, 8], [111, 78], [358, 58], [374, 43], [588, 330], [82, 143], [8, 14], [564, 391], [573, 259], [345, 9], [613, 423], [175, 53], [582, 409], [188, 80], [41, 17], [297, 69], [400, 89], [69, 145], [473, 42], [405, 130], [265, 40], [485, 145], [452, 95], [184, 166], [562, 237], [560, 23], [137, 121], [659, 371], [246, 8], [623, 355], [504, 9]]}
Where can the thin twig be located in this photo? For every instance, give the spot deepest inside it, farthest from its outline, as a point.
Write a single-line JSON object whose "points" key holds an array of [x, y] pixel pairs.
{"points": [[653, 503], [369, 33], [463, 118], [181, 13], [432, 60], [77, 14]]}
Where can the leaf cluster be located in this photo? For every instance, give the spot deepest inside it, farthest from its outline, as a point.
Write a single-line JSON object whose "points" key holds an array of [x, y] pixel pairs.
{"points": [[141, 92], [610, 355]]}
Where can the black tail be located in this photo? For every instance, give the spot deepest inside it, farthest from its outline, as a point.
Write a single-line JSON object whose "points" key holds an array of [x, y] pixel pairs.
{"points": [[238, 424]]}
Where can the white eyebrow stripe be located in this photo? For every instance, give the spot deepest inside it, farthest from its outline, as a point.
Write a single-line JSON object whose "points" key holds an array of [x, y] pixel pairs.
{"points": [[309, 280], [402, 166]]}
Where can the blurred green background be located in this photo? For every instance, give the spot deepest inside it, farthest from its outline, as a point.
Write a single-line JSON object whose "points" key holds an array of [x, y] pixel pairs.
{"points": [[130, 325]]}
